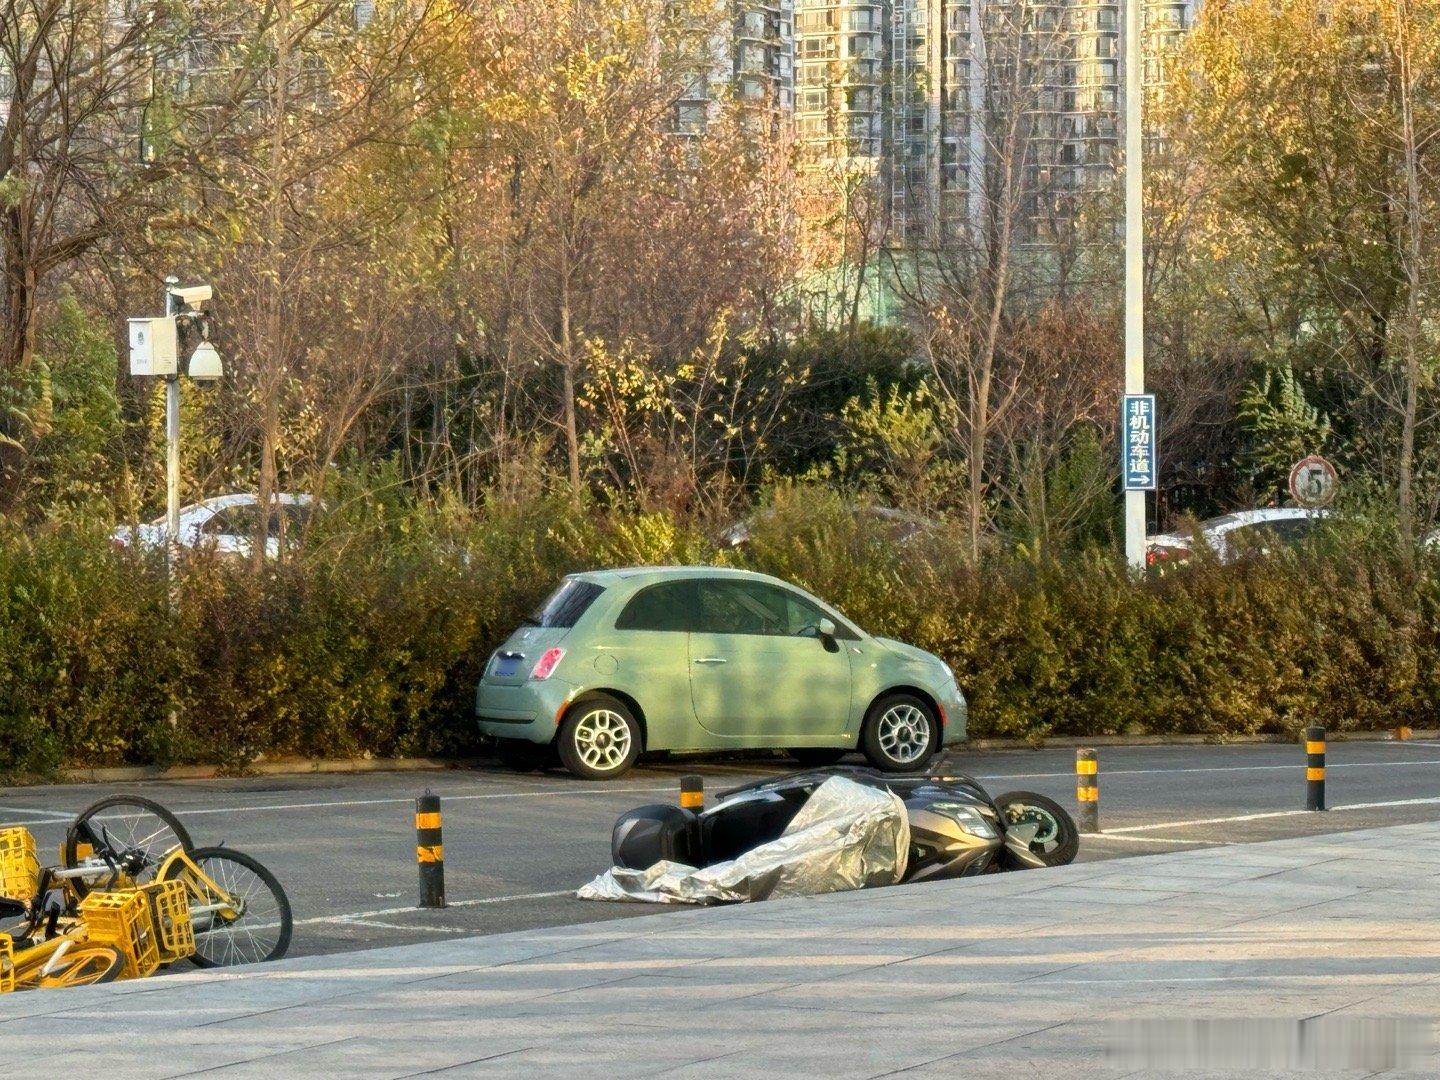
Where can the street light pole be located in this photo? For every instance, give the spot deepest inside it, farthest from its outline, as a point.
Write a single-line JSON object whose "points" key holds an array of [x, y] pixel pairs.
{"points": [[1134, 254], [172, 437]]}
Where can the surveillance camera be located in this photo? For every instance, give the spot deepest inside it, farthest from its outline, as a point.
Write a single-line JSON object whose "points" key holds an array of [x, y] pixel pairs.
{"points": [[192, 296]]}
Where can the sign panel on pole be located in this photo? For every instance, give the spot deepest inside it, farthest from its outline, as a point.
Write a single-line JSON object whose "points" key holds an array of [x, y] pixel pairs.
{"points": [[1139, 466], [1314, 482]]}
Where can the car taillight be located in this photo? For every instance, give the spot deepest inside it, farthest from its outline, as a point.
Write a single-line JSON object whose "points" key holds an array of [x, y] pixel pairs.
{"points": [[1166, 554], [547, 664]]}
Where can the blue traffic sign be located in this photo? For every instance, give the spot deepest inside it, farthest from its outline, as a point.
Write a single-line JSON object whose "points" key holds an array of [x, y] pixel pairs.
{"points": [[1139, 448]]}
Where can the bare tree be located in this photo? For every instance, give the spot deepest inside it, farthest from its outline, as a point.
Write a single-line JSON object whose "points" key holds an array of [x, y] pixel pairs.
{"points": [[87, 158], [975, 284]]}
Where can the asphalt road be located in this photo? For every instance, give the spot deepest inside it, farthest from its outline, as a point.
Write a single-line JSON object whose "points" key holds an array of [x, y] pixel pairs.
{"points": [[516, 846]]}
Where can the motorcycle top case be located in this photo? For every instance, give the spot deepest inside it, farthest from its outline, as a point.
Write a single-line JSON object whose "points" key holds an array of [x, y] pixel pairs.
{"points": [[651, 834]]}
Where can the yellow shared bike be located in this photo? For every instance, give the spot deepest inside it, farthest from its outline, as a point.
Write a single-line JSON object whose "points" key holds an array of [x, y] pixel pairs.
{"points": [[132, 894]]}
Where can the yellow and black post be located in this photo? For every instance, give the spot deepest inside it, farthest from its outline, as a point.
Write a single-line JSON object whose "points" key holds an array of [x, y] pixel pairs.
{"points": [[1315, 768], [692, 793], [430, 851], [1087, 790]]}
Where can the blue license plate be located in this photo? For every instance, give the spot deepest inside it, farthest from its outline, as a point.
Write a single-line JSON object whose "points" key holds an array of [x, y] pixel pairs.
{"points": [[507, 665]]}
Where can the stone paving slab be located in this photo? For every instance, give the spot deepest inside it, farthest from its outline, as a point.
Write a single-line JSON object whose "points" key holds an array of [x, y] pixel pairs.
{"points": [[1023, 974]]}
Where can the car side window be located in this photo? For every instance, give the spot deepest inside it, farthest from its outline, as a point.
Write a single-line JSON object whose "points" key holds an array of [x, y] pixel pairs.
{"points": [[1267, 535], [755, 608], [668, 606], [1293, 530], [231, 521]]}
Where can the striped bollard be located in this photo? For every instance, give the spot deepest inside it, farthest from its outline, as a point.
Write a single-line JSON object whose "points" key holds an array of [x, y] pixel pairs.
{"points": [[1315, 768], [692, 793], [1087, 790], [430, 851]]}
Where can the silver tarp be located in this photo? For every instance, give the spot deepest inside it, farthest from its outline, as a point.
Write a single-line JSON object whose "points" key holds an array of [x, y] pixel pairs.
{"points": [[846, 836]]}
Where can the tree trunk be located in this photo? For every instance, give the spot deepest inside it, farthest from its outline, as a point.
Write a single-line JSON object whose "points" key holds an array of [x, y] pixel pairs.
{"points": [[568, 365], [1412, 259], [272, 348]]}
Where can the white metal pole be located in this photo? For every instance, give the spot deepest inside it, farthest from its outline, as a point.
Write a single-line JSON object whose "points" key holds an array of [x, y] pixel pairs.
{"points": [[172, 443], [1134, 254]]}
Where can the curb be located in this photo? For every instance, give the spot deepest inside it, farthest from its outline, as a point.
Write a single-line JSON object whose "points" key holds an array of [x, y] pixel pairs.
{"points": [[1186, 740], [298, 767]]}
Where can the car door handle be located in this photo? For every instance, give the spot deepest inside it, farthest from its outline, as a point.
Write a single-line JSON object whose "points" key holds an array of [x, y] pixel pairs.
{"points": [[709, 660]]}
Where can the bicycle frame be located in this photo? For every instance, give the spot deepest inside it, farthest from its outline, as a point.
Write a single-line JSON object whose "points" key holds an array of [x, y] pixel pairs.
{"points": [[37, 960], [207, 896], [200, 886]]}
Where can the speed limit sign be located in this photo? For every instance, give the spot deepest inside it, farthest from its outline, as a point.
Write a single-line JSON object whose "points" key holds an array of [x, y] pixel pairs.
{"points": [[1313, 482]]}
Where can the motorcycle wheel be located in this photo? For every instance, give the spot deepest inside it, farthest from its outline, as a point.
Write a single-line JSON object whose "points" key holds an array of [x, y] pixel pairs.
{"points": [[1058, 840]]}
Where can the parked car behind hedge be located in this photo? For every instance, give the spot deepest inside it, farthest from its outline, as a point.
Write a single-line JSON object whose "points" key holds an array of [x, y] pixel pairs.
{"points": [[227, 524]]}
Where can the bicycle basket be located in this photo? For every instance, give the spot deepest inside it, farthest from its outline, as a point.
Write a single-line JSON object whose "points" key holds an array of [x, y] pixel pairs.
{"points": [[7, 964], [170, 915], [122, 919], [19, 868]]}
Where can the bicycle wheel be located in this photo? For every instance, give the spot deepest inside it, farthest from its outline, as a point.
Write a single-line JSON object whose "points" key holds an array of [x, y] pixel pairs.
{"points": [[84, 965], [135, 832], [250, 921]]}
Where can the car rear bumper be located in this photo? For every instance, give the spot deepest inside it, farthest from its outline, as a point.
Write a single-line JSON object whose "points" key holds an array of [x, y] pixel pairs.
{"points": [[528, 711]]}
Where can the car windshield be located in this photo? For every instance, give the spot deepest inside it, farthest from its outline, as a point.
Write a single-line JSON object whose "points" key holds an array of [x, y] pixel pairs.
{"points": [[1218, 522], [566, 604]]}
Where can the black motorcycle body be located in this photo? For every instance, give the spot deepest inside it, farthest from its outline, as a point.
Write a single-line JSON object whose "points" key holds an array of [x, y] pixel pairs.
{"points": [[956, 828]]}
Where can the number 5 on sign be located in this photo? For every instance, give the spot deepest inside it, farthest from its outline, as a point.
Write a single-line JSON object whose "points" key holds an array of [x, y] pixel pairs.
{"points": [[1139, 465]]}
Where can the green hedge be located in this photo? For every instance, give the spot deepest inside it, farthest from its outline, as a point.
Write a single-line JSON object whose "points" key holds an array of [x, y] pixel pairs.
{"points": [[371, 642]]}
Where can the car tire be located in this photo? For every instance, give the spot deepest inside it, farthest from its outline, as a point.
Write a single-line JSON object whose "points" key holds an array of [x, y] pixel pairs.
{"points": [[1060, 842], [901, 733], [816, 756], [600, 739], [522, 756]]}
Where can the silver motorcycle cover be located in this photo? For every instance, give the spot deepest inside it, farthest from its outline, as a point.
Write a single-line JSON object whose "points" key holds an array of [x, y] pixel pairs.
{"points": [[846, 836]]}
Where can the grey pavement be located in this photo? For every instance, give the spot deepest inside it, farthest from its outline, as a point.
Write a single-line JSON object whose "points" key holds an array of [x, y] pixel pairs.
{"points": [[1259, 955], [517, 845]]}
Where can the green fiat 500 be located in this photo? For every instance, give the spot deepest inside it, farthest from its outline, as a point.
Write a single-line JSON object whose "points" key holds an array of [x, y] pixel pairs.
{"points": [[619, 662]]}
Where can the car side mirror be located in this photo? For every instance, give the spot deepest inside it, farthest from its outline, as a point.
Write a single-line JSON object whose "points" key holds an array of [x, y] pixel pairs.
{"points": [[826, 628]]}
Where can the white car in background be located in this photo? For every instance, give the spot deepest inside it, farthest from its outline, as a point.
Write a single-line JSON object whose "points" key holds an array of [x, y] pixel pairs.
{"points": [[227, 524], [1230, 534]]}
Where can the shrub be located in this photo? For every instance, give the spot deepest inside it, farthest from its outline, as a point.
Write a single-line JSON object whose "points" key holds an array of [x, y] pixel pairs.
{"points": [[370, 642]]}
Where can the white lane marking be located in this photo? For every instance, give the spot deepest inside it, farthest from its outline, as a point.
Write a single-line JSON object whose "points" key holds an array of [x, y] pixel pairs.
{"points": [[1271, 814], [1087, 837], [1104, 772], [54, 815], [398, 926], [539, 793], [351, 916], [542, 793]]}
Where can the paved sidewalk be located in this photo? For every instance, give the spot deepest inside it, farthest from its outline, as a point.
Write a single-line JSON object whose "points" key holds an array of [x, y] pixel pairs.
{"points": [[1021, 974]]}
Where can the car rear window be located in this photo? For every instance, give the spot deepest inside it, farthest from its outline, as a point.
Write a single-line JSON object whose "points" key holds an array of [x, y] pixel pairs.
{"points": [[566, 604]]}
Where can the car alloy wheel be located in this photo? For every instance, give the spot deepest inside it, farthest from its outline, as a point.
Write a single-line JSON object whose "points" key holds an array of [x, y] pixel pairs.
{"points": [[602, 740], [903, 732]]}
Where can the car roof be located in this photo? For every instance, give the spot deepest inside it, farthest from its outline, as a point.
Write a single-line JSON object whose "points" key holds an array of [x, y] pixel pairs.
{"points": [[1227, 522], [1269, 513], [649, 575], [242, 498]]}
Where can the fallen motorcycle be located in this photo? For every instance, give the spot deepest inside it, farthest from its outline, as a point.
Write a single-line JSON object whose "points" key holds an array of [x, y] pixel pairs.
{"points": [[955, 828]]}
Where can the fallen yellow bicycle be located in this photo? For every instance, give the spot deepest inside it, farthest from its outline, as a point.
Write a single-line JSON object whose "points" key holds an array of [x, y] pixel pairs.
{"points": [[131, 895]]}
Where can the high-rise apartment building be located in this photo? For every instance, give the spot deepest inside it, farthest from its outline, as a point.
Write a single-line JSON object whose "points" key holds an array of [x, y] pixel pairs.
{"points": [[925, 90], [841, 70], [751, 59]]}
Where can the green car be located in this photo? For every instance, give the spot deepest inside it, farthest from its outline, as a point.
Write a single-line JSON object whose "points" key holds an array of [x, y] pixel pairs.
{"points": [[618, 662]]}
